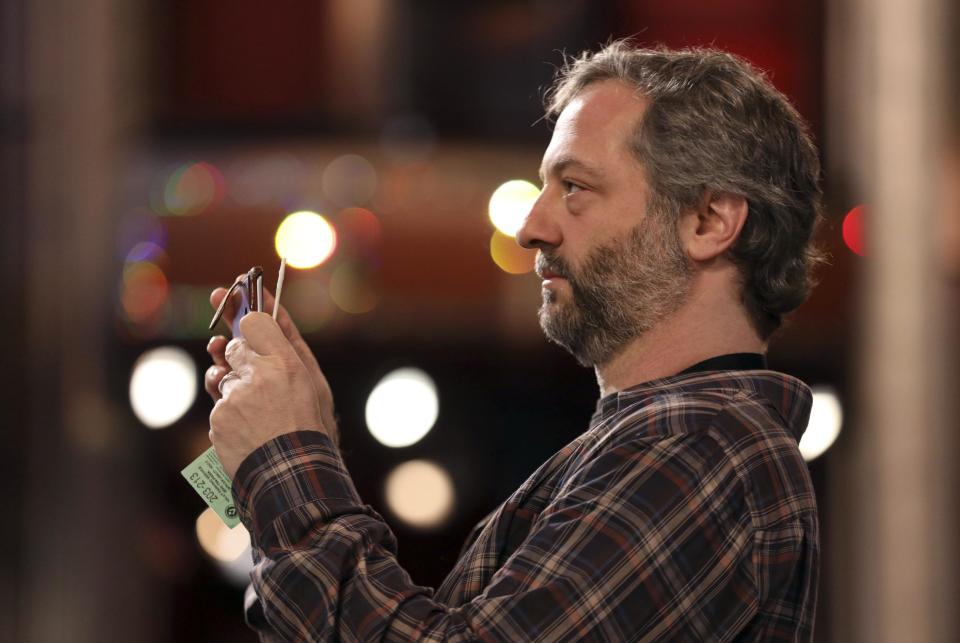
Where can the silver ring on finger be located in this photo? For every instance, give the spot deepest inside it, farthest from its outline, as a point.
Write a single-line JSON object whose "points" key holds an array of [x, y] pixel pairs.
{"points": [[232, 375]]}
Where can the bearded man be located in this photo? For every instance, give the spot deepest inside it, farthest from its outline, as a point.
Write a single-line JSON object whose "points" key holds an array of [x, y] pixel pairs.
{"points": [[680, 194]]}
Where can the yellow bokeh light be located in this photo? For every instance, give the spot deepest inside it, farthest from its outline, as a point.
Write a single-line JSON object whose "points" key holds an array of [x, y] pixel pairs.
{"points": [[510, 204], [219, 541], [510, 256], [306, 239], [350, 291], [420, 493]]}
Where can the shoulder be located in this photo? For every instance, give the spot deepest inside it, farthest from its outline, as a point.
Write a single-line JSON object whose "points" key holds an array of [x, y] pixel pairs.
{"points": [[730, 430], [754, 437]]}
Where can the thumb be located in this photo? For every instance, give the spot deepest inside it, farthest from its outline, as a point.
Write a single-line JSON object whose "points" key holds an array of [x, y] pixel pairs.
{"points": [[264, 336]]}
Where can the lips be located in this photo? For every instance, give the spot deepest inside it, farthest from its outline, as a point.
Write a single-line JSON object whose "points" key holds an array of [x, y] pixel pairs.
{"points": [[549, 268]]}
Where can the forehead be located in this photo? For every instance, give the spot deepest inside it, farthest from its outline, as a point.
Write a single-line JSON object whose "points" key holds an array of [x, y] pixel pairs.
{"points": [[595, 128]]}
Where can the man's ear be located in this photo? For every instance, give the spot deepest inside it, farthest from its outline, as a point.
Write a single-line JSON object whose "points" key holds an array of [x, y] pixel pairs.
{"points": [[709, 229]]}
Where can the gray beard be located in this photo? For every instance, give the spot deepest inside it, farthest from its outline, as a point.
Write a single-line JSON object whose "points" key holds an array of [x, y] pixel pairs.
{"points": [[622, 290]]}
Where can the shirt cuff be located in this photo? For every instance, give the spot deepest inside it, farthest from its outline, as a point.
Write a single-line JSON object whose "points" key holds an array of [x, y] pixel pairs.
{"points": [[289, 472]]}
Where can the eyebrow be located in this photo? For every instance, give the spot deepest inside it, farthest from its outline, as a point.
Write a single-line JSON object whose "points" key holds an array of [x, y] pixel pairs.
{"points": [[565, 162]]}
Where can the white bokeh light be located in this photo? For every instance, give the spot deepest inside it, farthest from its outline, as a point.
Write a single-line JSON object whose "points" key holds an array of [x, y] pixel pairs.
{"points": [[510, 204], [420, 493], [826, 418], [306, 239], [228, 548], [402, 407], [163, 386]]}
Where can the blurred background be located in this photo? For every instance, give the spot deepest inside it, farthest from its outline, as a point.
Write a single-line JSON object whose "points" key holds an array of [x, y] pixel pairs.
{"points": [[152, 150]]}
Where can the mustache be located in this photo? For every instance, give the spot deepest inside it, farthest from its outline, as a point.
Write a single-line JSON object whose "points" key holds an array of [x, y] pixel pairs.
{"points": [[547, 262]]}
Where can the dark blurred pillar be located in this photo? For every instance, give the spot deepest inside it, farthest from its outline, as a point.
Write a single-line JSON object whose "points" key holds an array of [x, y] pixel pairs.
{"points": [[12, 324], [80, 578], [893, 502]]}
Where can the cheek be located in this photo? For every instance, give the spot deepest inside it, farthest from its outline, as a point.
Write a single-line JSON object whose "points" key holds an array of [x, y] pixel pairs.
{"points": [[582, 231], [581, 243], [575, 203]]}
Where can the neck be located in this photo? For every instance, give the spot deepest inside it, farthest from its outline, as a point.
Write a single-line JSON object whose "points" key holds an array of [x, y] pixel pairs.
{"points": [[711, 322]]}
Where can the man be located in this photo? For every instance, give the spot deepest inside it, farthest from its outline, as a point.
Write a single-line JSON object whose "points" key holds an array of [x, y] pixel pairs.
{"points": [[680, 194]]}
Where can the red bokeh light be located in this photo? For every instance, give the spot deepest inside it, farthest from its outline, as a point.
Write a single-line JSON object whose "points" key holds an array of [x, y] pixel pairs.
{"points": [[853, 230]]}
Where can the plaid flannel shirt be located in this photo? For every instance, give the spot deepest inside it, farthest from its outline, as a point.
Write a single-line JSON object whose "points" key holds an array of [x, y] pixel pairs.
{"points": [[685, 512]]}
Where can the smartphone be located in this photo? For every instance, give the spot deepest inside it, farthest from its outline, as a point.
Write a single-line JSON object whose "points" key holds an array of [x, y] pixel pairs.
{"points": [[251, 297]]}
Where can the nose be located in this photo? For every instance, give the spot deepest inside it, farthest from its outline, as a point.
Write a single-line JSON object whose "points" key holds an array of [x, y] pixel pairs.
{"points": [[540, 229]]}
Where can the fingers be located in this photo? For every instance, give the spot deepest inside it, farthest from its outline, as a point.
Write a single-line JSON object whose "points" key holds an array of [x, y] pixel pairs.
{"points": [[285, 321], [215, 347], [264, 335], [218, 344], [229, 380], [230, 310], [283, 317], [216, 298], [211, 380], [238, 354]]}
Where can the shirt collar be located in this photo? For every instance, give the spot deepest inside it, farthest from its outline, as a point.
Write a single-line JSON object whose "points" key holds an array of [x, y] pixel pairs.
{"points": [[730, 362], [610, 404]]}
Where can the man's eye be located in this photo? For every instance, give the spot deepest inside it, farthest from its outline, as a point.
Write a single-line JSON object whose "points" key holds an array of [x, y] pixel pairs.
{"points": [[571, 188]]}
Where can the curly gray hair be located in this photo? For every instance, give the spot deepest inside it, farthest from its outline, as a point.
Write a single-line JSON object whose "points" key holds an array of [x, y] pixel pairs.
{"points": [[716, 123]]}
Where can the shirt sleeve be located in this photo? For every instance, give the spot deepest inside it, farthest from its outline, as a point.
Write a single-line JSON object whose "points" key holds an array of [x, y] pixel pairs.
{"points": [[646, 541]]}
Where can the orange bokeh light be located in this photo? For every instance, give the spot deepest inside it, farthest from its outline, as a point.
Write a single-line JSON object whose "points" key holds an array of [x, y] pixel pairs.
{"points": [[145, 290], [510, 256]]}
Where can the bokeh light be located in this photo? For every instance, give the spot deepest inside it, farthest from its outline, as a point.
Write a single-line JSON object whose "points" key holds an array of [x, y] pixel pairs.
{"points": [[402, 408], [853, 230], [163, 386], [510, 256], [272, 179], [510, 204], [192, 188], [360, 228], [351, 291], [144, 291], [190, 312], [157, 326], [218, 541], [420, 493], [349, 180], [306, 239], [308, 303], [145, 251], [228, 548], [139, 226], [826, 419]]}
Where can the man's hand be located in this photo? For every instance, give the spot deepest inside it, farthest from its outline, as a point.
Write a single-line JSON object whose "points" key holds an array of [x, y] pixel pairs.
{"points": [[267, 393], [218, 344]]}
